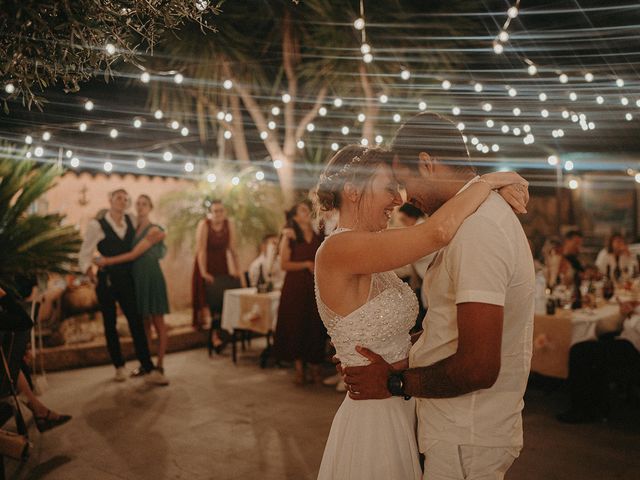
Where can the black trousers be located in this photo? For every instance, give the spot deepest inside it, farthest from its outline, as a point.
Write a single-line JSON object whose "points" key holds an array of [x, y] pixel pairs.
{"points": [[119, 288], [592, 365]]}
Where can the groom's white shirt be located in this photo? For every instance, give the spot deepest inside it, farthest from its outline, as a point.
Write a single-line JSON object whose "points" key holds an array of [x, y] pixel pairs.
{"points": [[488, 261]]}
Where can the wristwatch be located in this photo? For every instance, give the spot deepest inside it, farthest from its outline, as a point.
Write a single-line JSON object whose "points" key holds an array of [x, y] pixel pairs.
{"points": [[395, 385]]}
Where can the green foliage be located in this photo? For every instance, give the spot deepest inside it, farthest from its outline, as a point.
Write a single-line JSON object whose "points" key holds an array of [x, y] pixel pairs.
{"points": [[47, 42], [30, 243], [256, 208]]}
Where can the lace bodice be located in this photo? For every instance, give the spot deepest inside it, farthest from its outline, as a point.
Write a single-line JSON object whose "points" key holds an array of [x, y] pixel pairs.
{"points": [[381, 324]]}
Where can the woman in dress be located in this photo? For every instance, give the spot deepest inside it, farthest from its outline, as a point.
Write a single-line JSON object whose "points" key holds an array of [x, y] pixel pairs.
{"points": [[363, 303], [216, 269], [300, 336], [151, 289], [615, 260]]}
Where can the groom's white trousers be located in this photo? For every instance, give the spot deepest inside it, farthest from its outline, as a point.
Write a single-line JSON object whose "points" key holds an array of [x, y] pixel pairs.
{"points": [[445, 461]]}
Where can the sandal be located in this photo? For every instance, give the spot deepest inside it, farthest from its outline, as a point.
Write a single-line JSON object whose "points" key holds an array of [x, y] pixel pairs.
{"points": [[48, 422]]}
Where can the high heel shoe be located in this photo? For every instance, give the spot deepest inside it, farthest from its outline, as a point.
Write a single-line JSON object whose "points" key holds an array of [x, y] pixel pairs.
{"points": [[48, 422]]}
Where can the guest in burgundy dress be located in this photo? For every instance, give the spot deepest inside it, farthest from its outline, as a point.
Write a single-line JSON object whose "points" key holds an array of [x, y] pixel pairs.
{"points": [[300, 335], [212, 273]]}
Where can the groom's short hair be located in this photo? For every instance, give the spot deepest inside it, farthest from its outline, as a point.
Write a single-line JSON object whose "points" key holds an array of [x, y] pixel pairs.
{"points": [[434, 134]]}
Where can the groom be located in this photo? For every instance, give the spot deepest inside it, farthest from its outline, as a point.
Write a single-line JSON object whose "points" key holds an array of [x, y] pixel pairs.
{"points": [[469, 369]]}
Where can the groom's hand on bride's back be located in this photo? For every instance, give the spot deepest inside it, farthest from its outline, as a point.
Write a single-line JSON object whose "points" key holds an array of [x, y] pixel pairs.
{"points": [[369, 381]]}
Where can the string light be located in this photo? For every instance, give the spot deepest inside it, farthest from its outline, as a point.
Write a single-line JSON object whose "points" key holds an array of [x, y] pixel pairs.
{"points": [[113, 133], [9, 88], [141, 163], [367, 58], [573, 184], [379, 139], [184, 131], [211, 177], [568, 165], [28, 139], [505, 128], [311, 127], [498, 48], [227, 134], [487, 107], [565, 114], [137, 123], [405, 74], [490, 123], [264, 135], [624, 101], [335, 147], [286, 98], [629, 117], [275, 111], [188, 167], [397, 118], [88, 105], [175, 125], [599, 100], [178, 78], [110, 48], [532, 70], [277, 164], [364, 142], [271, 125], [383, 98], [365, 48], [588, 77], [478, 87], [446, 84], [495, 147], [220, 116], [259, 175], [337, 102], [158, 114], [544, 112], [235, 181], [512, 92], [345, 130], [573, 97], [422, 106], [361, 117], [542, 97], [526, 128], [620, 82], [322, 111], [552, 160], [516, 131], [39, 151], [461, 126], [228, 85], [503, 36], [455, 111], [300, 144], [512, 12], [167, 156], [75, 162], [563, 78], [517, 111], [82, 127], [359, 24], [228, 117], [108, 166], [145, 77], [46, 136], [637, 177]]}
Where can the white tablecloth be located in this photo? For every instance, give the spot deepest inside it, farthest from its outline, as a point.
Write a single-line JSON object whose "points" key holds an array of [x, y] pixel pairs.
{"points": [[244, 308]]}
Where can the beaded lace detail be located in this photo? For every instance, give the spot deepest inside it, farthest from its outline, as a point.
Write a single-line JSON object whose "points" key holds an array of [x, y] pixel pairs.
{"points": [[381, 324]]}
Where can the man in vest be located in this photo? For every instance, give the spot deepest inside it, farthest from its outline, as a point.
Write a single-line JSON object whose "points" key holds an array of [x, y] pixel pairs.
{"points": [[112, 234]]}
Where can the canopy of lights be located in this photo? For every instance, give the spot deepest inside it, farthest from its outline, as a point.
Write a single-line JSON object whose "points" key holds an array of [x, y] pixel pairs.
{"points": [[548, 86]]}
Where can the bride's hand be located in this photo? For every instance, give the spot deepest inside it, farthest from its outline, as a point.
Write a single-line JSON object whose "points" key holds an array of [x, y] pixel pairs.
{"points": [[497, 180], [517, 196]]}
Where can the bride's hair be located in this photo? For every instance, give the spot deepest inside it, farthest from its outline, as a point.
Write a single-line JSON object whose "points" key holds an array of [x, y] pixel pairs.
{"points": [[352, 164]]}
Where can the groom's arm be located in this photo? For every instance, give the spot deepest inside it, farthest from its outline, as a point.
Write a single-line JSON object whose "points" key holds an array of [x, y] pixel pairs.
{"points": [[474, 366]]}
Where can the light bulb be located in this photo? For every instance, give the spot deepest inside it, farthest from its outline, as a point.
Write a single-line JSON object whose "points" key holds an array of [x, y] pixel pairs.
{"points": [[498, 48], [503, 36], [82, 127], [228, 85], [275, 111], [383, 98], [512, 12], [568, 165], [145, 77], [113, 133], [478, 87], [75, 162], [9, 88], [277, 164], [259, 175], [137, 123], [88, 105], [446, 84], [542, 97], [405, 74], [588, 77], [158, 114], [184, 132], [141, 163], [335, 147], [358, 24], [422, 106], [490, 123], [211, 177], [108, 166], [337, 102], [286, 98], [178, 78], [367, 58], [532, 70], [167, 156], [188, 167], [552, 160], [322, 111], [110, 48]]}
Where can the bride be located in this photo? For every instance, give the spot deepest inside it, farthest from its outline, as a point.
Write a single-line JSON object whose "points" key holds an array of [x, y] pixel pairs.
{"points": [[363, 303]]}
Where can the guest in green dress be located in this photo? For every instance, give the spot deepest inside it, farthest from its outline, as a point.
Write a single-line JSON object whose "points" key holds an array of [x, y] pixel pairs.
{"points": [[151, 290]]}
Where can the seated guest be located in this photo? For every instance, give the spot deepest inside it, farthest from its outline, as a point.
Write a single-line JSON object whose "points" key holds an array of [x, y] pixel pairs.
{"points": [[571, 268], [593, 364], [615, 259], [269, 261]]}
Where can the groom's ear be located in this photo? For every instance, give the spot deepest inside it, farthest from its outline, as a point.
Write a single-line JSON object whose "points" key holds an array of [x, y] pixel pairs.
{"points": [[426, 164]]}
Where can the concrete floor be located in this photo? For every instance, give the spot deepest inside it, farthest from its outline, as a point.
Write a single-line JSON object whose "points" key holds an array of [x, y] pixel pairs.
{"points": [[220, 421]]}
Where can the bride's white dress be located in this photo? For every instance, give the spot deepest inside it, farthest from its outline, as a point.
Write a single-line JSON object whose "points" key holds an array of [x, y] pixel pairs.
{"points": [[373, 439]]}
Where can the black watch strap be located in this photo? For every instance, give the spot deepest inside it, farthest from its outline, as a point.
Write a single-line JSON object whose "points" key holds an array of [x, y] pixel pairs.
{"points": [[395, 385]]}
